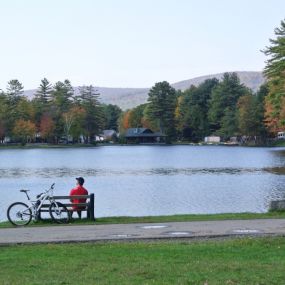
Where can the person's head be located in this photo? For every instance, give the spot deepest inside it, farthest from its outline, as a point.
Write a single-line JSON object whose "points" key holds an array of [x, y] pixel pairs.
{"points": [[80, 181]]}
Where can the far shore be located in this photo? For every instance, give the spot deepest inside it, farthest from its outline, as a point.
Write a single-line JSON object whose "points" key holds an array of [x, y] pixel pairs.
{"points": [[47, 146]]}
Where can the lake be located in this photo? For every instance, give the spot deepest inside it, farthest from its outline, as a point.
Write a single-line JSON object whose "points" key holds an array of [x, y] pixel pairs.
{"points": [[150, 180]]}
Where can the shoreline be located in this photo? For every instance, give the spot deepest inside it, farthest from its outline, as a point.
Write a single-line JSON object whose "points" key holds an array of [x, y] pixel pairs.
{"points": [[63, 146]]}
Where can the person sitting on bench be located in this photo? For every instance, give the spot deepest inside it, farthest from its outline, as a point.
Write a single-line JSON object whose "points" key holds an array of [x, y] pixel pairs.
{"points": [[78, 190]]}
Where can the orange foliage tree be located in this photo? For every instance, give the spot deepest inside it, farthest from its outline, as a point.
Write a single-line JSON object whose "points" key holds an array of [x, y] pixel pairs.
{"points": [[24, 130], [46, 127]]}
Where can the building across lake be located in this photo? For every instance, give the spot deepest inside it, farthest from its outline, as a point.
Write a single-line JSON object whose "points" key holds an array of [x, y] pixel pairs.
{"points": [[144, 135]]}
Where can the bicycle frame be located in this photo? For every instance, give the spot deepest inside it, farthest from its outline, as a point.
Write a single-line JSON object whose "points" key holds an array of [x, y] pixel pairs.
{"points": [[41, 198]]}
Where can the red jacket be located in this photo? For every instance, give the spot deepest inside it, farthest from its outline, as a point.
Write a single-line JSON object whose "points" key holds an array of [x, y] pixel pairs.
{"points": [[79, 190]]}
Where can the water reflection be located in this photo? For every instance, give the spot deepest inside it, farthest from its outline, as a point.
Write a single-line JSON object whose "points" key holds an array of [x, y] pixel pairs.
{"points": [[69, 172]]}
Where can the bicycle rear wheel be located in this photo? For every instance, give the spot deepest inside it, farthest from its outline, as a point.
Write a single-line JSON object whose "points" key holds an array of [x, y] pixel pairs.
{"points": [[19, 214], [59, 213]]}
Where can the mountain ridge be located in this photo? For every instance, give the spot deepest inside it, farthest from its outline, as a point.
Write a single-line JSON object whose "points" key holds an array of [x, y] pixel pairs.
{"points": [[127, 98]]}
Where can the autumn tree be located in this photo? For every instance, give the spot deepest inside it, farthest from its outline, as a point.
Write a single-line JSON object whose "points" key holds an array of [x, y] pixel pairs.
{"points": [[24, 130], [47, 127], [248, 117], [275, 73], [136, 119], [124, 121]]}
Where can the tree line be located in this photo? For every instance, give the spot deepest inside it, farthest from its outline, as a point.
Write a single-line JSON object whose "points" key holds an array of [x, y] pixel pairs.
{"points": [[225, 108], [56, 113]]}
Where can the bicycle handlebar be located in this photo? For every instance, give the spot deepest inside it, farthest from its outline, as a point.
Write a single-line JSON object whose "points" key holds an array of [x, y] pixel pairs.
{"points": [[51, 188]]}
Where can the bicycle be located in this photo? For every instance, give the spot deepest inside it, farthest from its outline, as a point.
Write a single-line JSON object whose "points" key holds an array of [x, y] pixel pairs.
{"points": [[20, 214]]}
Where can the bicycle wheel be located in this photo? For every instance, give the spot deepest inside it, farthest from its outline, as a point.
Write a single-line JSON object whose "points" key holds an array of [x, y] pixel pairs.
{"points": [[19, 214], [59, 213]]}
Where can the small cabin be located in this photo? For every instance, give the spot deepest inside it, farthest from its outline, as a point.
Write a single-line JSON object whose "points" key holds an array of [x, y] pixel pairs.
{"points": [[144, 135]]}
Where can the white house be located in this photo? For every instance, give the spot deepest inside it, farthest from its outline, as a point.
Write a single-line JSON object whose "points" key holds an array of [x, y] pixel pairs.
{"points": [[212, 139], [281, 135]]}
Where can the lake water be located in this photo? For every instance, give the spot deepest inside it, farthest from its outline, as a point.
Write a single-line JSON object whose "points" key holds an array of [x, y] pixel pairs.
{"points": [[150, 180]]}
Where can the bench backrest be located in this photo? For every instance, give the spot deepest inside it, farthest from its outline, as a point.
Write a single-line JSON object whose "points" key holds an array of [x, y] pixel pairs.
{"points": [[72, 197]]}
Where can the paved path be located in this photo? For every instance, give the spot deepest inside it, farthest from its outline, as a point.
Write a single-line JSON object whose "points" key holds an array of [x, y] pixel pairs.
{"points": [[141, 231]]}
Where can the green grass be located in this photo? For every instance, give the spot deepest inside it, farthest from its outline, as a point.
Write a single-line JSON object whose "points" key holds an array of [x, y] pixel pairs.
{"points": [[185, 218], [240, 261], [165, 219]]}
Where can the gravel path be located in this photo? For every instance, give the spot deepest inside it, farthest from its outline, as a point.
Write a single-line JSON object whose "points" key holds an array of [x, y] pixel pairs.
{"points": [[83, 233]]}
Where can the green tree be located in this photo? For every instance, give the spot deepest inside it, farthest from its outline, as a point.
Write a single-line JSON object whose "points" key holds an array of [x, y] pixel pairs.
{"points": [[94, 117], [136, 119], [62, 95], [222, 104], [61, 102], [14, 91], [192, 110], [111, 116], [43, 93], [74, 122], [251, 115], [14, 95], [229, 124], [42, 100], [275, 73], [161, 108], [3, 115]]}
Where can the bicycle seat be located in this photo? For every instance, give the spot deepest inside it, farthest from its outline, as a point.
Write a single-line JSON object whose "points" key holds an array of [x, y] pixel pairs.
{"points": [[23, 190]]}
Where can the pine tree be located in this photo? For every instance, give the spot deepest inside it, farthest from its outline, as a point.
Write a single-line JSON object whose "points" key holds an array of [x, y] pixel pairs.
{"points": [[15, 90], [223, 103], [94, 117], [43, 94], [192, 110], [161, 108], [61, 102]]}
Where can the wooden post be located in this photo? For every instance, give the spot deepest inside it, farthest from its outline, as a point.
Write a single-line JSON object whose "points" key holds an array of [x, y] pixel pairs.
{"points": [[92, 207]]}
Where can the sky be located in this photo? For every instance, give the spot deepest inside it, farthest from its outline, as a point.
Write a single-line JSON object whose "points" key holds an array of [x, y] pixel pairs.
{"points": [[132, 43]]}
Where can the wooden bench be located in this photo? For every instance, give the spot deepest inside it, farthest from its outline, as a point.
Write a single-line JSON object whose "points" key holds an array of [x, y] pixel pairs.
{"points": [[89, 206]]}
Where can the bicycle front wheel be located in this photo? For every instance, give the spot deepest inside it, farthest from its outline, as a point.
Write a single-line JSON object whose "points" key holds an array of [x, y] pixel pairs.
{"points": [[59, 213], [19, 214]]}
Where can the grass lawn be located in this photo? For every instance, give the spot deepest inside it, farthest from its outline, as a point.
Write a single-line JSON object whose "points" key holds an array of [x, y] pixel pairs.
{"points": [[239, 261], [163, 219]]}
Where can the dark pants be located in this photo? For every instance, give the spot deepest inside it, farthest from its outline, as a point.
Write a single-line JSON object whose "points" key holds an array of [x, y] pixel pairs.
{"points": [[78, 213]]}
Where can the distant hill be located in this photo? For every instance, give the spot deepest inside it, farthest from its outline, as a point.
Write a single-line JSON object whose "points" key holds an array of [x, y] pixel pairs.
{"points": [[130, 97], [251, 79]]}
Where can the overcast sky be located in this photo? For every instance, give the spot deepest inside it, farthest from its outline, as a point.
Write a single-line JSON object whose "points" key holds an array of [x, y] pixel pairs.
{"points": [[132, 43]]}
